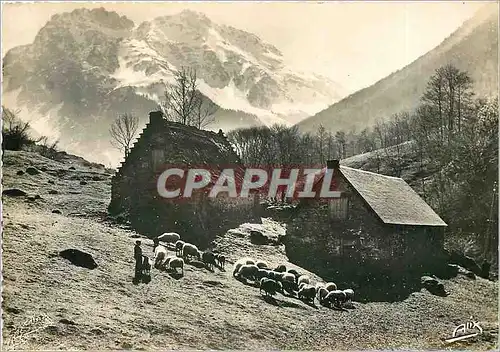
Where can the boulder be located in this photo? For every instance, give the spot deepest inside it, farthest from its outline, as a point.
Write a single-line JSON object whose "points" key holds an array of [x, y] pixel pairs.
{"points": [[256, 237], [14, 192], [79, 258], [32, 171], [465, 262], [433, 285]]}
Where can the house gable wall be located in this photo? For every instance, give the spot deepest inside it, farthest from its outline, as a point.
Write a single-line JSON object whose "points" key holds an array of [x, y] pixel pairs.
{"points": [[134, 187]]}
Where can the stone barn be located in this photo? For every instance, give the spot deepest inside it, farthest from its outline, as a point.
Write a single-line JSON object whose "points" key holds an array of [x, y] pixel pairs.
{"points": [[164, 144], [378, 227]]}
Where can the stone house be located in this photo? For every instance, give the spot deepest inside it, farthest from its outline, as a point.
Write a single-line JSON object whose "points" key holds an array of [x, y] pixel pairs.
{"points": [[378, 225], [164, 144]]}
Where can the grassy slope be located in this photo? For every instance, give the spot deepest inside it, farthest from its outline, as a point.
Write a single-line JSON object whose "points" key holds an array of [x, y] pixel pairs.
{"points": [[201, 310]]}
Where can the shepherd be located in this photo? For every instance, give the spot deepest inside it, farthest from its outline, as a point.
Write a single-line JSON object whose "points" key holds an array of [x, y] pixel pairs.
{"points": [[138, 259]]}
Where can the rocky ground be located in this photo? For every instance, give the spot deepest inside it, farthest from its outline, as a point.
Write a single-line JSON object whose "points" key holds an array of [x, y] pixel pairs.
{"points": [[48, 303]]}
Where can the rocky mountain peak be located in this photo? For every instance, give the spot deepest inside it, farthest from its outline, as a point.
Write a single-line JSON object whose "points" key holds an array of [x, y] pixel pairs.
{"points": [[91, 17]]}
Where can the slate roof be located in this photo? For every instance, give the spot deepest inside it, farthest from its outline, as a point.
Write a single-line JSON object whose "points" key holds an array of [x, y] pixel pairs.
{"points": [[390, 198]]}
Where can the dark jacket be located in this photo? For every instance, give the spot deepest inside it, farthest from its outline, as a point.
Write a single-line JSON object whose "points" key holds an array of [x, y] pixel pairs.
{"points": [[137, 252]]}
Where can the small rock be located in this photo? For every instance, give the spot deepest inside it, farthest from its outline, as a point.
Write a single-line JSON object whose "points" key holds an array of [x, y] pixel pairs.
{"points": [[72, 168], [56, 211], [53, 191], [14, 192], [34, 197], [96, 178], [96, 331], [43, 168], [82, 182], [197, 263], [126, 345], [13, 310], [213, 283], [67, 321], [52, 329], [32, 171], [20, 173], [79, 258], [51, 182]]}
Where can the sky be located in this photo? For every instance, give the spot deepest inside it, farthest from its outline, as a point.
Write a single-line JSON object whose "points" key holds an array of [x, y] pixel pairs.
{"points": [[353, 43]]}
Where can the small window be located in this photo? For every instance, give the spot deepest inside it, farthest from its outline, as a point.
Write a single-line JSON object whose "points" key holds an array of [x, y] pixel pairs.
{"points": [[338, 208]]}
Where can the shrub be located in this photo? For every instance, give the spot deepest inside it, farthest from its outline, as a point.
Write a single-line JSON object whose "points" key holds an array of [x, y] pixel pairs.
{"points": [[15, 134]]}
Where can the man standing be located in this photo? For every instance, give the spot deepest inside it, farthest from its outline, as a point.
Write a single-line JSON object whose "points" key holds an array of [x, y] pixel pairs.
{"points": [[138, 259], [156, 243]]}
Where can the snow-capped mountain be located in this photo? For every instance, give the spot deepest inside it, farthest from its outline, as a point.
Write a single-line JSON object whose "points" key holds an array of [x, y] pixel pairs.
{"points": [[87, 66]]}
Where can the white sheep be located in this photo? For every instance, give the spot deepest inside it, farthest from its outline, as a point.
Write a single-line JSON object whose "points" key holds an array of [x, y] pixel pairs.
{"points": [[275, 275], [330, 286], [189, 249], [178, 247], [239, 263], [169, 237], [336, 297], [261, 273], [287, 277], [261, 264], [160, 255], [321, 293], [175, 263], [288, 281], [319, 285], [248, 271], [308, 292], [349, 294], [303, 279], [167, 260]]}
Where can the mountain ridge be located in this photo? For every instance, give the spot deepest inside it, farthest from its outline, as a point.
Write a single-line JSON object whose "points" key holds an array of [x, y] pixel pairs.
{"points": [[362, 108]]}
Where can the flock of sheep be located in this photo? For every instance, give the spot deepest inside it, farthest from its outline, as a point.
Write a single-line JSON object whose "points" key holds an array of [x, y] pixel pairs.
{"points": [[269, 281], [184, 251], [291, 282]]}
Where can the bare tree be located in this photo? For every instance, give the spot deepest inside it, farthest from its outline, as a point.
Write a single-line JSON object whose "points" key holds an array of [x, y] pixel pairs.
{"points": [[181, 98], [123, 131], [204, 112]]}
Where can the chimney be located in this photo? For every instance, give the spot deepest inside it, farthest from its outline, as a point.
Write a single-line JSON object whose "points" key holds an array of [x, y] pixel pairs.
{"points": [[155, 117], [332, 164]]}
